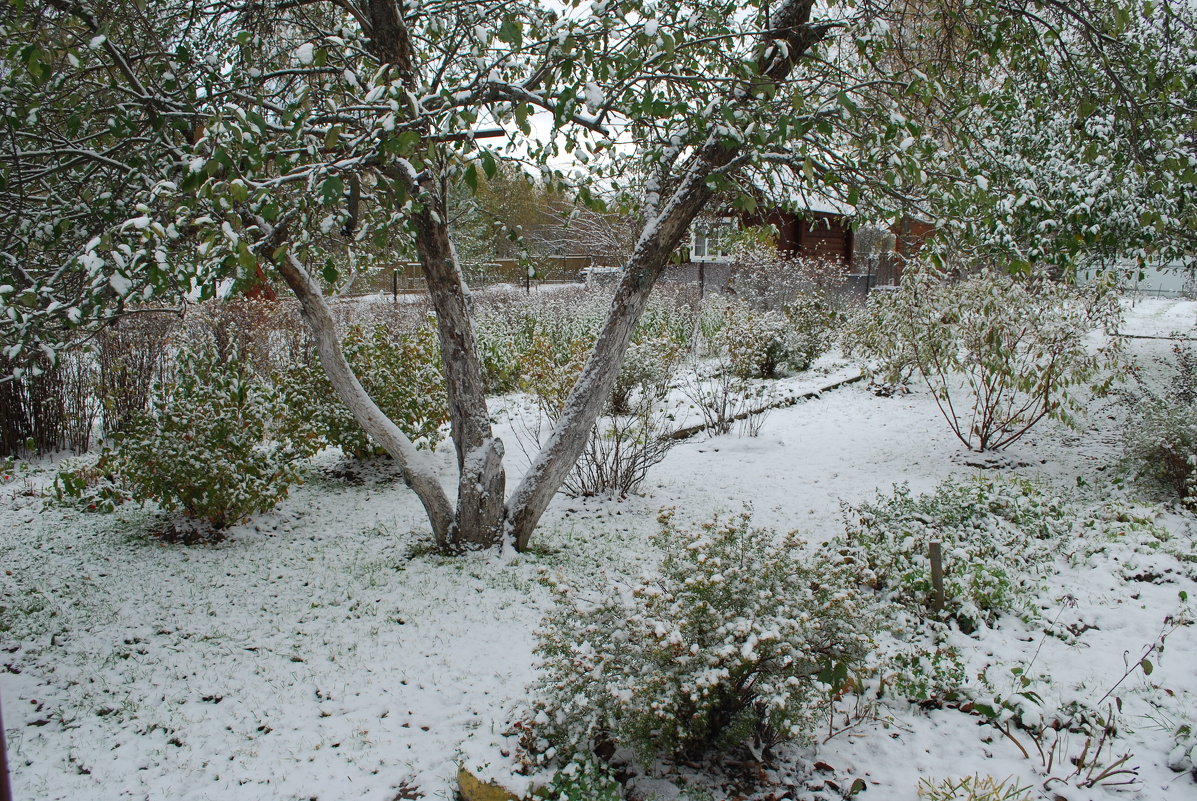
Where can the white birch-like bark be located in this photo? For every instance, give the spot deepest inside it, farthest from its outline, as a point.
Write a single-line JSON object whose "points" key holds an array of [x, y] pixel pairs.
{"points": [[661, 236], [482, 480], [585, 402], [418, 470]]}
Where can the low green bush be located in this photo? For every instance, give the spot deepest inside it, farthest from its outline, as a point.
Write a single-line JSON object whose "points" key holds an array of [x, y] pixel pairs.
{"points": [[90, 484], [741, 638], [924, 671], [213, 446], [582, 780], [401, 370], [998, 539]]}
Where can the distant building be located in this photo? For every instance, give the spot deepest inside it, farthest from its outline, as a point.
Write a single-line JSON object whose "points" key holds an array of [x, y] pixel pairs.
{"points": [[804, 227], [806, 233]]}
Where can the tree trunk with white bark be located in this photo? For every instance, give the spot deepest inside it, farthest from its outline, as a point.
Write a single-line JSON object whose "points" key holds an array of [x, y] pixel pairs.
{"points": [[481, 518]]}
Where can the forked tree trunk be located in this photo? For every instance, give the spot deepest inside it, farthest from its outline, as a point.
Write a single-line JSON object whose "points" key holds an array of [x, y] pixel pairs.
{"points": [[481, 519]]}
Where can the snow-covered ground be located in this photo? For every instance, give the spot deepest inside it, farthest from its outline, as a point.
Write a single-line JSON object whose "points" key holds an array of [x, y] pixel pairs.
{"points": [[321, 652]]}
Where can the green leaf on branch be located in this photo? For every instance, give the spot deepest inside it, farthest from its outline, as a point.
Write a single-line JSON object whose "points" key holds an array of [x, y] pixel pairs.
{"points": [[408, 142], [488, 165], [332, 190], [511, 32], [745, 203]]}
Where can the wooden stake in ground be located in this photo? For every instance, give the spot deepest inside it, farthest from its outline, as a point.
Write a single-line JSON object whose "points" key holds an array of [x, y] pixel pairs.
{"points": [[936, 554]]}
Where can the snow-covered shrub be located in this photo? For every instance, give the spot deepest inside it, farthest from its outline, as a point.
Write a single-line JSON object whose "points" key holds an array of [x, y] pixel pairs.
{"points": [[512, 328], [50, 407], [815, 323], [213, 447], [736, 640], [629, 437], [720, 392], [619, 452], [708, 328], [771, 343], [770, 280], [582, 780], [974, 788], [400, 369], [762, 344], [798, 304], [659, 345], [266, 335], [541, 344], [90, 485], [567, 320], [562, 317], [1161, 440], [645, 375], [670, 315], [1162, 447], [550, 370], [998, 539], [1019, 343]]}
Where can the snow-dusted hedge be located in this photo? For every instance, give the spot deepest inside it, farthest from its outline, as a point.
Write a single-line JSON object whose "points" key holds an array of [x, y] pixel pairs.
{"points": [[511, 330], [739, 638], [998, 539], [771, 343], [787, 312], [401, 369], [766, 344]]}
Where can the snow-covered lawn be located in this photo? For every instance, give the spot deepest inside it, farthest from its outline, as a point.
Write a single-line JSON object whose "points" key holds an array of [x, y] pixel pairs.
{"points": [[321, 652]]}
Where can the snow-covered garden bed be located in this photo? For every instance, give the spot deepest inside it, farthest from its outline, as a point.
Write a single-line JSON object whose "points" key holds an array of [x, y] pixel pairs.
{"points": [[324, 651]]}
